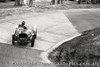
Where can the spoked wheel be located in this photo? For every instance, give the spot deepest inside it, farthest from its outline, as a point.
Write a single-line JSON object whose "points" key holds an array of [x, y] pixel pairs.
{"points": [[13, 39], [32, 41]]}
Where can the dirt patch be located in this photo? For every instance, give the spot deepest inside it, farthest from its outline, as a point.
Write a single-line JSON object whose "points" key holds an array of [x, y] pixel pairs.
{"points": [[82, 51]]}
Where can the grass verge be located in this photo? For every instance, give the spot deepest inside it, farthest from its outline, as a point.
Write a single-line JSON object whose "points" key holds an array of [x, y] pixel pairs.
{"points": [[82, 51]]}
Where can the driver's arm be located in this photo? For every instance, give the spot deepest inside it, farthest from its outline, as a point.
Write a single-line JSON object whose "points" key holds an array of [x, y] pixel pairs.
{"points": [[16, 27], [25, 27]]}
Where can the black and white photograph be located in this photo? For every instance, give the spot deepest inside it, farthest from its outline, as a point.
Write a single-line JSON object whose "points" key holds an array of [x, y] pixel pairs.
{"points": [[49, 33]]}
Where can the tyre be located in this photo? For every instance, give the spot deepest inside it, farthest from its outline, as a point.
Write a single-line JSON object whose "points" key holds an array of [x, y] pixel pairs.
{"points": [[32, 41], [79, 1], [13, 39], [35, 31]]}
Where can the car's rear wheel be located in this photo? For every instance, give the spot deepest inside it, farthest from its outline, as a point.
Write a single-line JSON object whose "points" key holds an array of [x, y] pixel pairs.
{"points": [[13, 39], [32, 41]]}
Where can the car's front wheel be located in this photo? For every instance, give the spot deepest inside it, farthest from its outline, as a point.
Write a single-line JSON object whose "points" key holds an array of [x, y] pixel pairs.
{"points": [[32, 41], [13, 39], [35, 31]]}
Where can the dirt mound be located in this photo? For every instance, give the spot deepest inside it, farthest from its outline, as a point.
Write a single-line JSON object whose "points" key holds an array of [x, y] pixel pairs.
{"points": [[82, 51]]}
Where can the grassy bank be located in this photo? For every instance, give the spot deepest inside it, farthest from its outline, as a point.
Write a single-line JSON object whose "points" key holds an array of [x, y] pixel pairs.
{"points": [[82, 51]]}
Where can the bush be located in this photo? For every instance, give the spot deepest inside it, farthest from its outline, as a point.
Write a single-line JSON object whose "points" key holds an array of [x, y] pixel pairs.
{"points": [[89, 1]]}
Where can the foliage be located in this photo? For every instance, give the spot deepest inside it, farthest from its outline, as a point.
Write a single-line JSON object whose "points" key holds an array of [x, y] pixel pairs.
{"points": [[89, 1]]}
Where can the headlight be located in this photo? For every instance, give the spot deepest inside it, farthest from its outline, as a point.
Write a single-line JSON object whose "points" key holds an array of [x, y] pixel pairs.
{"points": [[33, 34], [16, 35], [12, 33]]}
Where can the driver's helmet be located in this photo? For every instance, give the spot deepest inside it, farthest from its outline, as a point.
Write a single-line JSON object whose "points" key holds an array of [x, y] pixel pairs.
{"points": [[23, 23]]}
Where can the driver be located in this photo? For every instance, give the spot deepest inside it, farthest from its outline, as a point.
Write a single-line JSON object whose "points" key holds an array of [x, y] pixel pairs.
{"points": [[22, 25]]}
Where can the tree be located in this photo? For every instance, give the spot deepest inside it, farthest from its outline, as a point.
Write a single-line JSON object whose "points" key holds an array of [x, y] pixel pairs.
{"points": [[18, 3], [23, 2], [30, 3], [57, 1], [60, 2], [53, 1]]}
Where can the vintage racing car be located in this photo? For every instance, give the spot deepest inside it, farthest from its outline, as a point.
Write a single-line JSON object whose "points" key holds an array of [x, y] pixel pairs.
{"points": [[22, 36]]}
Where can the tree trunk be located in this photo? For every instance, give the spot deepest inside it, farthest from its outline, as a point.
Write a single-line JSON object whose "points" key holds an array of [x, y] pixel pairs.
{"points": [[53, 2], [30, 3], [17, 3], [57, 1]]}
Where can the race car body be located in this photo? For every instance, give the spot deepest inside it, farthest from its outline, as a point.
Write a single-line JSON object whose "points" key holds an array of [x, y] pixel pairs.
{"points": [[22, 36]]}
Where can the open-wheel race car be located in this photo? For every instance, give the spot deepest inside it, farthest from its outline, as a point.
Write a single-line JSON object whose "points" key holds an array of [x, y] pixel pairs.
{"points": [[22, 36]]}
